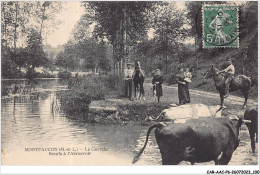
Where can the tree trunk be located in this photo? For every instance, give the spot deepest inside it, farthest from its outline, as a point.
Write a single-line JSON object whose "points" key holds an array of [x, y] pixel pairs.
{"points": [[5, 23], [43, 13], [166, 62], [166, 50], [114, 58], [196, 56], [15, 28], [124, 33]]}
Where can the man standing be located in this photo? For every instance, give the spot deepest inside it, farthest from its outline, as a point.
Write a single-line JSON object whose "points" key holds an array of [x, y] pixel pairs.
{"points": [[230, 71], [128, 81]]}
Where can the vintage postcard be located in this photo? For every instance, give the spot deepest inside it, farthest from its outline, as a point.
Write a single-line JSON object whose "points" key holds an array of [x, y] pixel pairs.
{"points": [[129, 83]]}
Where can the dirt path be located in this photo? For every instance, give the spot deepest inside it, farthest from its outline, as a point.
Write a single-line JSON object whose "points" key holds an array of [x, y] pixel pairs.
{"points": [[231, 99]]}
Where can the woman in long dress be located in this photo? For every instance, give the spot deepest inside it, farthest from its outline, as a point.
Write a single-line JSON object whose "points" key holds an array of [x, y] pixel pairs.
{"points": [[187, 79], [182, 92], [157, 84]]}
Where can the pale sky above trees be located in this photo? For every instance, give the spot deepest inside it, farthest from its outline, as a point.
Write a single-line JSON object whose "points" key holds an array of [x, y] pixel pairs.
{"points": [[69, 16]]}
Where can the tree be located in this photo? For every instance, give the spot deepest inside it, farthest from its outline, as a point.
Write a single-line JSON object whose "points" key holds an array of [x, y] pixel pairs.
{"points": [[81, 30], [168, 23], [248, 52], [42, 15], [122, 24], [61, 60], [9, 68], [36, 55], [21, 57], [92, 52]]}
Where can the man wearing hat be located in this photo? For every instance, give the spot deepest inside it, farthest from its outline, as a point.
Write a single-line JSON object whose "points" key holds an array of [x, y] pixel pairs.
{"points": [[128, 80], [230, 71]]}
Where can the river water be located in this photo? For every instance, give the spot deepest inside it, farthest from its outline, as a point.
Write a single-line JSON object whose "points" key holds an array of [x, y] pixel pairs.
{"points": [[33, 135]]}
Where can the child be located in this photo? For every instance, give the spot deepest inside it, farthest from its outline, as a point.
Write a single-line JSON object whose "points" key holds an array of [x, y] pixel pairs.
{"points": [[187, 75], [157, 84]]}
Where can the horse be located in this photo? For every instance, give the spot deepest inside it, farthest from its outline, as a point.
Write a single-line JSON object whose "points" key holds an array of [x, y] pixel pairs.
{"points": [[239, 82], [138, 79]]}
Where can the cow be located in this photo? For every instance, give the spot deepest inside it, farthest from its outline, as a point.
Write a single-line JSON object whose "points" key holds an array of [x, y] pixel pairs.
{"points": [[189, 111], [252, 115], [196, 140]]}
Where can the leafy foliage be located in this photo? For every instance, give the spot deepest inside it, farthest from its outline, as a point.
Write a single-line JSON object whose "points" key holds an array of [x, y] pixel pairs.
{"points": [[75, 103], [36, 55], [24, 22], [64, 75]]}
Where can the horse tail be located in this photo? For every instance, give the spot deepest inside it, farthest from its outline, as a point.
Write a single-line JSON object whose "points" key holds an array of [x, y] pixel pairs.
{"points": [[157, 125]]}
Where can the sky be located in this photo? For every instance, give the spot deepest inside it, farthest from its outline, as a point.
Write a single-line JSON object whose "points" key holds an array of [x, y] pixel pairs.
{"points": [[70, 15]]}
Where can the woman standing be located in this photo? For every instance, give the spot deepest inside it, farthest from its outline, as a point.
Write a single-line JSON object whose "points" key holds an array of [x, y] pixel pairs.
{"points": [[157, 84], [187, 79], [182, 93]]}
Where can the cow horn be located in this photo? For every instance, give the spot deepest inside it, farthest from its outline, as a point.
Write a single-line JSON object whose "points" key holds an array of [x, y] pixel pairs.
{"points": [[158, 116], [246, 121]]}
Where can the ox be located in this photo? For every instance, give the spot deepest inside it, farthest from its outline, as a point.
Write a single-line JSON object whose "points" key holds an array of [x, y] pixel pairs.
{"points": [[251, 114], [189, 111], [196, 140]]}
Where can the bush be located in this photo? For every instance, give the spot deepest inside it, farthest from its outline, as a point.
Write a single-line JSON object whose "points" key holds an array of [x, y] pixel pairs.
{"points": [[4, 89], [169, 79], [45, 75], [75, 103], [111, 81], [85, 89], [64, 75], [31, 74], [97, 86], [93, 85]]}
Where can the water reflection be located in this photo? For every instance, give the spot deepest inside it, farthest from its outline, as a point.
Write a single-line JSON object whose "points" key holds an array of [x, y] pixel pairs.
{"points": [[28, 121]]}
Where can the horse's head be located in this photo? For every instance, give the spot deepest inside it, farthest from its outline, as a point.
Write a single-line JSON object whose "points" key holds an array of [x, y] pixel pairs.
{"points": [[211, 72], [137, 65]]}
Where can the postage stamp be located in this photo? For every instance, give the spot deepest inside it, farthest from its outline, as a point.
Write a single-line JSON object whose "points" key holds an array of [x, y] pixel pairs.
{"points": [[220, 26]]}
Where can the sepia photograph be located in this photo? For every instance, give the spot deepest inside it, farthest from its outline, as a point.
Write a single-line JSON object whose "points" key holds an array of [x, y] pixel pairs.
{"points": [[130, 83]]}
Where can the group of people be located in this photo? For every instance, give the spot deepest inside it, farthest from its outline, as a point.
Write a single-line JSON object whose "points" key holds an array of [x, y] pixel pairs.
{"points": [[183, 78]]}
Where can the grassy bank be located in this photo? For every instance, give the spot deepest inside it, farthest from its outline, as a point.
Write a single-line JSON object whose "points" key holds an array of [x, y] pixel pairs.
{"points": [[82, 90]]}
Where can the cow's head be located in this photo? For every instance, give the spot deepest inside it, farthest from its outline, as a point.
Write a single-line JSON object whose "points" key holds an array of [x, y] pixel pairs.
{"points": [[236, 119], [216, 111], [237, 122], [211, 72]]}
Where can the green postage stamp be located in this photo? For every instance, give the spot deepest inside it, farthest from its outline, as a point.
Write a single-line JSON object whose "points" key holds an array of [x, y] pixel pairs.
{"points": [[220, 26]]}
